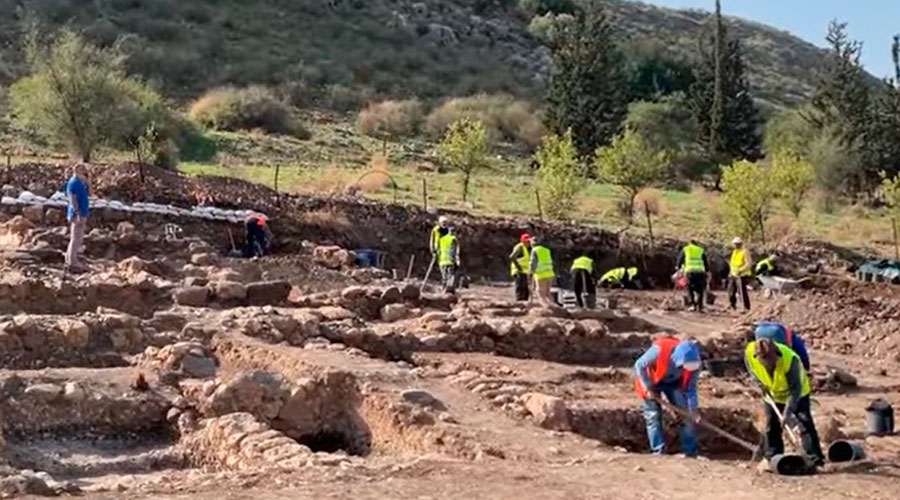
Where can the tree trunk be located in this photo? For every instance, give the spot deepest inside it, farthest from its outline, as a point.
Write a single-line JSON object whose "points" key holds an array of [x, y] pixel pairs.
{"points": [[465, 192]]}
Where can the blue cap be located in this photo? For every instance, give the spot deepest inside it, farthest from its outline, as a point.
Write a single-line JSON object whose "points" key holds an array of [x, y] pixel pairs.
{"points": [[686, 351]]}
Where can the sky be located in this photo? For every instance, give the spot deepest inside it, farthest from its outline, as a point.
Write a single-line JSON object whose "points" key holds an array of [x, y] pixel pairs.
{"points": [[873, 22]]}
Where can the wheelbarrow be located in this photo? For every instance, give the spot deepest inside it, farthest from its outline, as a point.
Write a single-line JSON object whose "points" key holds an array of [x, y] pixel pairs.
{"points": [[778, 285]]}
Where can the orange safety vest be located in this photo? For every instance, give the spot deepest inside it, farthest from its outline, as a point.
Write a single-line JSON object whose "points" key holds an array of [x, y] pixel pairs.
{"points": [[665, 344]]}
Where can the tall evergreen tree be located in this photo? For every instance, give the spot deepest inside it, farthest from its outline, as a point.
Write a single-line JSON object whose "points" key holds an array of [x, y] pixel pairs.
{"points": [[588, 91], [720, 100], [842, 105]]}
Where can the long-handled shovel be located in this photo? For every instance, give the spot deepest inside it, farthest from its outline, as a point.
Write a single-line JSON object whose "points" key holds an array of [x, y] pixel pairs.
{"points": [[710, 427]]}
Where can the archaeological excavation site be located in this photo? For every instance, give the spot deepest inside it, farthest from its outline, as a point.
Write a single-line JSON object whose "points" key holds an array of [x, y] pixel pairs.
{"points": [[173, 368]]}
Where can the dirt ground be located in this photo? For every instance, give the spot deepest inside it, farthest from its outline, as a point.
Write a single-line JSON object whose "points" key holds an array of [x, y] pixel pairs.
{"points": [[169, 371]]}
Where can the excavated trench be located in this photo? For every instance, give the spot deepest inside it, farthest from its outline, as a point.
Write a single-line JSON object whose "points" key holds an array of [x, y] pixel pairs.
{"points": [[625, 427]]}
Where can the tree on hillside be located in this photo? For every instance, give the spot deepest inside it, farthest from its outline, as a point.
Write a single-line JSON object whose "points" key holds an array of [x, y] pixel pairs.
{"points": [[631, 164], [80, 96], [465, 148], [668, 125], [723, 107], [747, 197], [588, 88], [653, 73], [559, 173], [793, 178]]}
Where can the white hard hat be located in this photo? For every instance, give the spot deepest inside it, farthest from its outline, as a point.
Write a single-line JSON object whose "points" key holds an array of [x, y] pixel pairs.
{"points": [[737, 241], [443, 219]]}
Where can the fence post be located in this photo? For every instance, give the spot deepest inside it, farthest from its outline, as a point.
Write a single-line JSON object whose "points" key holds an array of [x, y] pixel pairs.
{"points": [[425, 193], [649, 222], [277, 171], [896, 244], [537, 195]]}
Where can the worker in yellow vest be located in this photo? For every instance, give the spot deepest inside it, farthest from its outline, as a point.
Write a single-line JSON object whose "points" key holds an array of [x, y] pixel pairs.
{"points": [[583, 277], [434, 239], [693, 263], [779, 372], [448, 258], [541, 265], [740, 273], [520, 266], [621, 277]]}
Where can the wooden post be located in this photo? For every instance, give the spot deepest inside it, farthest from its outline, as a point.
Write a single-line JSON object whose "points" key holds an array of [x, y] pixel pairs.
{"points": [[425, 193], [649, 222], [277, 171], [762, 229], [537, 195], [896, 244], [409, 270]]}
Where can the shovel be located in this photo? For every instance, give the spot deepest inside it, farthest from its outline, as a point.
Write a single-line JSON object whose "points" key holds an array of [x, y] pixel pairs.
{"points": [[681, 412], [798, 464]]}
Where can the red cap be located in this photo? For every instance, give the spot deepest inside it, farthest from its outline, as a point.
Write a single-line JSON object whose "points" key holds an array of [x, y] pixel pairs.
{"points": [[525, 237]]}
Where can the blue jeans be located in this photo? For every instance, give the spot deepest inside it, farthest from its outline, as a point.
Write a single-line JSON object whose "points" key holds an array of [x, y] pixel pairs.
{"points": [[687, 433]]}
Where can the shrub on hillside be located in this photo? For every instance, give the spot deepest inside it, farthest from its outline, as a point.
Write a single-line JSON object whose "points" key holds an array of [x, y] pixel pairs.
{"points": [[541, 7], [391, 118], [254, 107], [504, 118]]}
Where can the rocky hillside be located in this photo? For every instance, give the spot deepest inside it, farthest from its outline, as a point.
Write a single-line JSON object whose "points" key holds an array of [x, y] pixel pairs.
{"points": [[356, 49]]}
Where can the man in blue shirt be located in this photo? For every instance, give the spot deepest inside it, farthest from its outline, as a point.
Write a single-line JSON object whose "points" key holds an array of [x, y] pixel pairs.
{"points": [[671, 368], [77, 212]]}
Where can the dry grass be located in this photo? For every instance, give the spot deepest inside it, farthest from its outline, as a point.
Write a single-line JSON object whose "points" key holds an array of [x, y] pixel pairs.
{"points": [[649, 200], [391, 118]]}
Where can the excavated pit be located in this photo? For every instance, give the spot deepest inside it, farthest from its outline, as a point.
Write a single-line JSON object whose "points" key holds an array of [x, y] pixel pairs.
{"points": [[625, 427]]}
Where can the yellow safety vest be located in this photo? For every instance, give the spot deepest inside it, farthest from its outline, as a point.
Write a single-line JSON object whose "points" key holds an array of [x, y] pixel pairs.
{"points": [[765, 265], [544, 268], [693, 259], [435, 240], [523, 261], [445, 256], [777, 384], [585, 263], [738, 263], [613, 275]]}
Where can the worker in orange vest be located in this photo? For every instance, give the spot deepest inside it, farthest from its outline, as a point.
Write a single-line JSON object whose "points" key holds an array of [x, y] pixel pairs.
{"points": [[670, 367]]}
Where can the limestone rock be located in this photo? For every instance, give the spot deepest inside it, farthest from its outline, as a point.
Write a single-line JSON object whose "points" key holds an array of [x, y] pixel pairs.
{"points": [[34, 213], [394, 312], [203, 259], [256, 392], [230, 291], [332, 257], [76, 333], [549, 412], [15, 231], [193, 296], [424, 399]]}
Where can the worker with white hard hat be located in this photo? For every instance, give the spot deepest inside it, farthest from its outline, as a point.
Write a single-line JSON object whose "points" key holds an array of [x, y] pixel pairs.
{"points": [[434, 241], [740, 273]]}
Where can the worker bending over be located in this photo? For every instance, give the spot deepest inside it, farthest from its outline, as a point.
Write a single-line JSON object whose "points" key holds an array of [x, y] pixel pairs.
{"points": [[448, 258], [541, 265], [783, 334], [779, 372], [740, 272], [257, 236], [766, 267], [621, 277], [693, 263], [583, 277], [671, 367], [520, 266]]}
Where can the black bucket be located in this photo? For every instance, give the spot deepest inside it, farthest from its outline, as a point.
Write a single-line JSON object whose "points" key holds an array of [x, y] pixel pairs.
{"points": [[879, 418], [845, 451], [792, 465]]}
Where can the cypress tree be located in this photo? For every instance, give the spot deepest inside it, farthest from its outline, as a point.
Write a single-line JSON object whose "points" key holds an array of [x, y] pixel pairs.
{"points": [[588, 91]]}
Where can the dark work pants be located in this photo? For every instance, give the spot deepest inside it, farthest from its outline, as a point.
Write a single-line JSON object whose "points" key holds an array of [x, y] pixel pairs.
{"points": [[696, 288], [809, 438], [584, 285], [738, 285], [523, 287]]}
